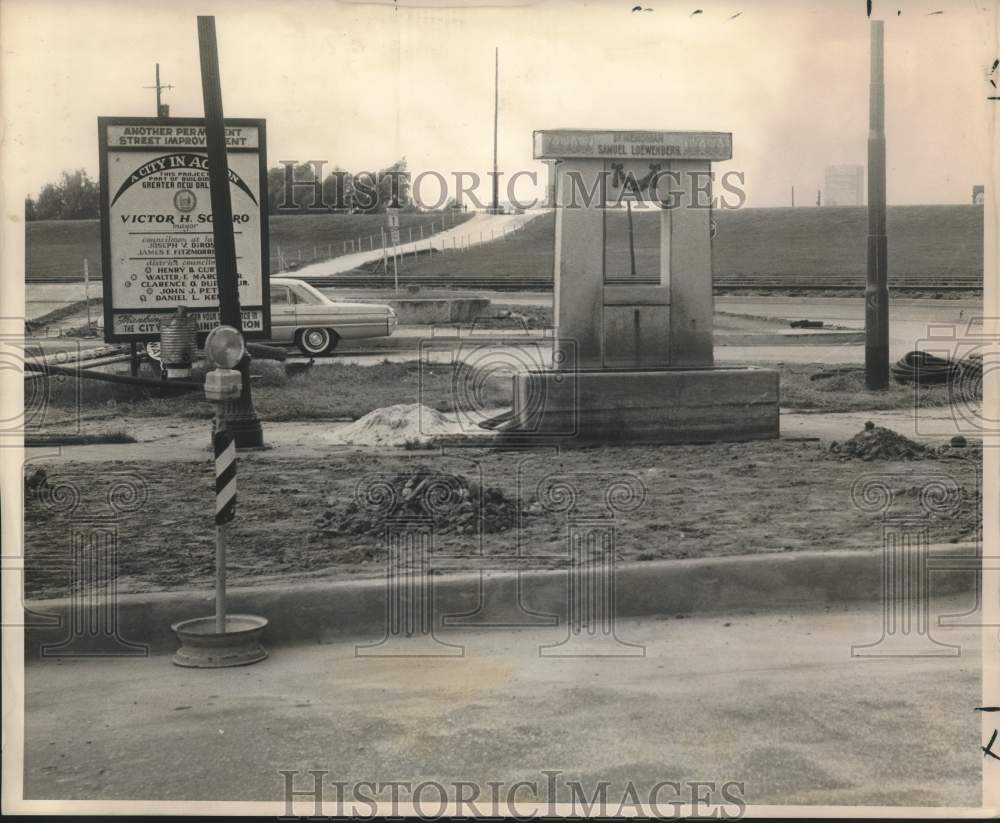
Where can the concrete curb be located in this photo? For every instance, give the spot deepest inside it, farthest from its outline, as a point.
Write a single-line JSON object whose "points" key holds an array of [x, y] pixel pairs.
{"points": [[317, 612], [436, 341], [845, 337], [440, 340]]}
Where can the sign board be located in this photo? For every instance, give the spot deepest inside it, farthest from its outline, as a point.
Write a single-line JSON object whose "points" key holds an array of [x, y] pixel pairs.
{"points": [[156, 224], [392, 215], [556, 144]]}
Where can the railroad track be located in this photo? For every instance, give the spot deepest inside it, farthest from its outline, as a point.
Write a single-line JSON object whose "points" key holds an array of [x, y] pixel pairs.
{"points": [[720, 281]]}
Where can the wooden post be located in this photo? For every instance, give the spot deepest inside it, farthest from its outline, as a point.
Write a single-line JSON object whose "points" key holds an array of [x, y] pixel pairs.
{"points": [[241, 414]]}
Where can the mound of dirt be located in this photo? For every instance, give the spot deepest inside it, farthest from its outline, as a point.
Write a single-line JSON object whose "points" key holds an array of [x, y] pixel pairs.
{"points": [[404, 424], [878, 443], [452, 503]]}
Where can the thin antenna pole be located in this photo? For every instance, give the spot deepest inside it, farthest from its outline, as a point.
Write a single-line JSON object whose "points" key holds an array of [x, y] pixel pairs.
{"points": [[159, 88], [496, 122]]}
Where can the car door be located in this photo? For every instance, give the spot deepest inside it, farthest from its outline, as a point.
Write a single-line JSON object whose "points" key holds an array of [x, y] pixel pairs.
{"points": [[356, 320], [282, 314], [348, 320]]}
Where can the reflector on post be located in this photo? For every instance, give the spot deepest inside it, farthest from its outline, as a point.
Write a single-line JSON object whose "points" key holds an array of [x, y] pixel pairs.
{"points": [[224, 347]]}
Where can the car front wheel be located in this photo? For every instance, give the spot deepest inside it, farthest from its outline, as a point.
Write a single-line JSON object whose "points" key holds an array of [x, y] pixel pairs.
{"points": [[313, 342]]}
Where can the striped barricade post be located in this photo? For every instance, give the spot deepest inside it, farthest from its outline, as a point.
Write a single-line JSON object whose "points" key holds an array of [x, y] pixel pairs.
{"points": [[225, 511], [223, 639]]}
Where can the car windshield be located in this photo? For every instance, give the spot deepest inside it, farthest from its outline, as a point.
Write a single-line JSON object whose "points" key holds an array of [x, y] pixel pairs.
{"points": [[309, 294]]}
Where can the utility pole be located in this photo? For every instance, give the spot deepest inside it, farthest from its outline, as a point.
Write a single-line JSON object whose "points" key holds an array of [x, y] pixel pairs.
{"points": [[793, 197], [877, 285], [241, 416], [162, 110], [496, 122]]}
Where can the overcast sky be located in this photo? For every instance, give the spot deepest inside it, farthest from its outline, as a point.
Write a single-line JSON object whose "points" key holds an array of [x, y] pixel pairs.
{"points": [[361, 84]]}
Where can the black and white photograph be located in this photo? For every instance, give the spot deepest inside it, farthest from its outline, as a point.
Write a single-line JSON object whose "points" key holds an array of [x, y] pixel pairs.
{"points": [[500, 408]]}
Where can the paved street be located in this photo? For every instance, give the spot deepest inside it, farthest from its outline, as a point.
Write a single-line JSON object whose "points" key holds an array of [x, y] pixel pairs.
{"points": [[774, 700]]}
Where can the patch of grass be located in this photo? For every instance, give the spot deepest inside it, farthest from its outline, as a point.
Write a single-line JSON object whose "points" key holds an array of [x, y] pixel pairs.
{"points": [[63, 393], [350, 390], [846, 391], [335, 390], [345, 390], [112, 436]]}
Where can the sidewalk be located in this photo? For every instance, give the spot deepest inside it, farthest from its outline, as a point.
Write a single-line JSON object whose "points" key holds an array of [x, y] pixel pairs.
{"points": [[771, 699], [478, 228]]}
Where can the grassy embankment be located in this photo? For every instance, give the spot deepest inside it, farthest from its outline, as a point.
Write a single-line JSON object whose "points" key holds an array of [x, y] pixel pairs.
{"points": [[57, 248], [933, 241]]}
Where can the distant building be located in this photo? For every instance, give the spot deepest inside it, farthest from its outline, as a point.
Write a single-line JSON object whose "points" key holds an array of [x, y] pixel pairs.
{"points": [[978, 195], [844, 185]]}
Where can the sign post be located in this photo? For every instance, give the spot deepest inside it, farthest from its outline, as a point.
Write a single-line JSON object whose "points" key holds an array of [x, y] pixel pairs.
{"points": [[392, 215]]}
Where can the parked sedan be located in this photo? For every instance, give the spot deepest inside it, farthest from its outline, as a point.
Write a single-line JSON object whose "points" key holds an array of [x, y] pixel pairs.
{"points": [[303, 315]]}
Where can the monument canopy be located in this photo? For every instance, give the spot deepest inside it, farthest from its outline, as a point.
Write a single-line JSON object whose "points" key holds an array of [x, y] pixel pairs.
{"points": [[600, 144]]}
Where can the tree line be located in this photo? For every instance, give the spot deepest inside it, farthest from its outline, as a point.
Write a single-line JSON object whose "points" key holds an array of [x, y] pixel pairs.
{"points": [[311, 191]]}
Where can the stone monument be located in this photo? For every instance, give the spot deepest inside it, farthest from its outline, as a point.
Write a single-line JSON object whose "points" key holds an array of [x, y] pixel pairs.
{"points": [[632, 356]]}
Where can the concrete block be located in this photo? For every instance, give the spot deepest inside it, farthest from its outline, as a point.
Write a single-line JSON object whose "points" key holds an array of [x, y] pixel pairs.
{"points": [[651, 406], [424, 311]]}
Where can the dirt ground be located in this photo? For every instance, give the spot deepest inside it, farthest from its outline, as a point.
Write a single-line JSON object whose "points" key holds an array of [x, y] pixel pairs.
{"points": [[667, 502]]}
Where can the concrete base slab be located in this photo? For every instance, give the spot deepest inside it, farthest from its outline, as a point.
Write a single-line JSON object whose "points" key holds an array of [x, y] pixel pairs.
{"points": [[674, 405]]}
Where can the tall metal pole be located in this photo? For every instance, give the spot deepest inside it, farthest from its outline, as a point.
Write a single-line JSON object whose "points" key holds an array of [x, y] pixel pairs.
{"points": [[496, 122], [157, 89], [877, 285], [240, 414]]}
